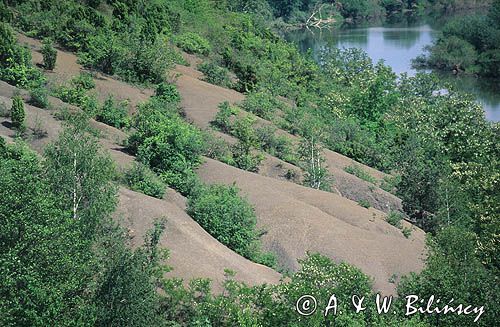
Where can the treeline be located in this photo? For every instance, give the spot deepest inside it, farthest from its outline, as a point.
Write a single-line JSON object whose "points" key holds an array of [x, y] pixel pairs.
{"points": [[469, 44], [440, 145], [310, 11]]}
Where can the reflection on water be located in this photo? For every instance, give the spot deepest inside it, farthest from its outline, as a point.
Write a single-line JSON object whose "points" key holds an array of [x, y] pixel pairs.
{"points": [[397, 43]]}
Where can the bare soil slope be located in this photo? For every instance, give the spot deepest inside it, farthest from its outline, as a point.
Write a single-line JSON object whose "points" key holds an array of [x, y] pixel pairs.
{"points": [[297, 219]]}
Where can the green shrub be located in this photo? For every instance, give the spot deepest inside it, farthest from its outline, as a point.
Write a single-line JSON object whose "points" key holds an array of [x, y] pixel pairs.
{"points": [[39, 97], [16, 67], [262, 104], [168, 145], [215, 74], [193, 43], [77, 93], [279, 146], [168, 92], [406, 232], [141, 179], [49, 54], [222, 119], [364, 203], [218, 149], [84, 81], [394, 218], [228, 217], [359, 172], [17, 113], [390, 183], [245, 158], [113, 114]]}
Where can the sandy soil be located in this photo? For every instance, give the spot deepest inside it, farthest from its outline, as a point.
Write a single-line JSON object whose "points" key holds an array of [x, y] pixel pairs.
{"points": [[297, 219]]}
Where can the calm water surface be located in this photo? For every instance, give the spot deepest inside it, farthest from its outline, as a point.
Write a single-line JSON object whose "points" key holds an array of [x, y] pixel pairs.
{"points": [[397, 44]]}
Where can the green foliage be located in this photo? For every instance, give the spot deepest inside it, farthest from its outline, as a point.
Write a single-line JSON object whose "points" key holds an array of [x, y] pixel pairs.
{"points": [[262, 104], [455, 270], [228, 217], [167, 144], [39, 97], [113, 114], [71, 276], [245, 153], [473, 50], [276, 145], [218, 149], [49, 54], [16, 67], [141, 179], [80, 176], [193, 43], [364, 203], [168, 92], [215, 74], [222, 119], [17, 113], [358, 171], [313, 163], [406, 232], [54, 274], [394, 218], [77, 93]]}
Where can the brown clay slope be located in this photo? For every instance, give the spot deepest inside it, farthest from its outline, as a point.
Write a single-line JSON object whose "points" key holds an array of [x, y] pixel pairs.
{"points": [[299, 219], [200, 102], [193, 252]]}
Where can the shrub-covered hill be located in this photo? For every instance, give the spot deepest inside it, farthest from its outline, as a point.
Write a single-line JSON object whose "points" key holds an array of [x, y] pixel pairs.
{"points": [[437, 153]]}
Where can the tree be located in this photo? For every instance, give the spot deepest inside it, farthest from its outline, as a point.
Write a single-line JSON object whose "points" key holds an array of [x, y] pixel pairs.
{"points": [[49, 54], [80, 175], [226, 216], [44, 263], [313, 162], [17, 113], [454, 271]]}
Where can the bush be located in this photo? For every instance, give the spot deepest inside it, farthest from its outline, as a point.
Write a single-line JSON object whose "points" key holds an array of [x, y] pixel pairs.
{"points": [[279, 146], [17, 113], [394, 218], [193, 43], [215, 74], [76, 93], [49, 55], [226, 216], [113, 114], [168, 145], [16, 67], [364, 203], [168, 92], [141, 179], [262, 104], [359, 172], [39, 97], [217, 149], [406, 232], [222, 119]]}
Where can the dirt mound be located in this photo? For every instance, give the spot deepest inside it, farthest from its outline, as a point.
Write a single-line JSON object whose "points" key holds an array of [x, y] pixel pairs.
{"points": [[200, 102], [299, 219], [193, 252]]}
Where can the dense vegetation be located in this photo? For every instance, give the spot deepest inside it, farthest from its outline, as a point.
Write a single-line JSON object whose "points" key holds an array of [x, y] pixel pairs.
{"points": [[443, 150], [474, 50]]}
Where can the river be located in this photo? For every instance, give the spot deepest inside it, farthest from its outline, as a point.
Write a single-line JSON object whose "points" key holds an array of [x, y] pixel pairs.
{"points": [[397, 43]]}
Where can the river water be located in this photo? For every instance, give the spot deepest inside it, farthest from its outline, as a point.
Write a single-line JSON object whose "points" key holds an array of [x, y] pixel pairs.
{"points": [[397, 43]]}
